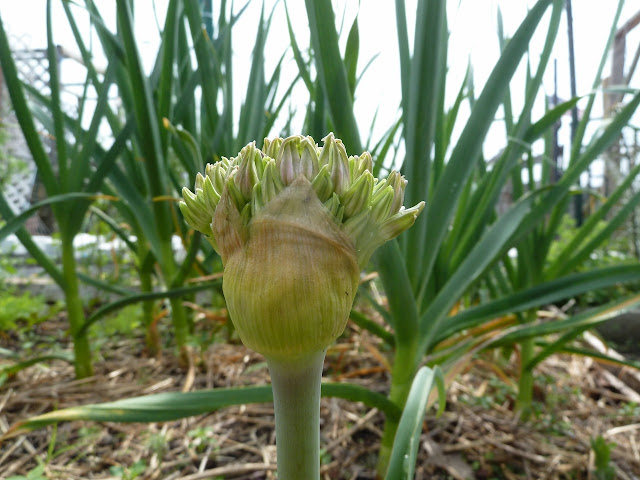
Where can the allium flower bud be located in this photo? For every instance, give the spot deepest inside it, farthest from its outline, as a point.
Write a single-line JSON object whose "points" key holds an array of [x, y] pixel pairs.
{"points": [[294, 224]]}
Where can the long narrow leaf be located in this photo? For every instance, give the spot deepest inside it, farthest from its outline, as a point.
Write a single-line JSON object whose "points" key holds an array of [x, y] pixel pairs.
{"points": [[407, 440], [568, 179], [23, 114], [569, 251], [467, 150], [140, 297], [397, 286], [478, 259], [332, 73], [17, 221], [54, 86], [541, 294], [425, 90], [27, 242], [587, 319], [164, 407], [147, 122]]}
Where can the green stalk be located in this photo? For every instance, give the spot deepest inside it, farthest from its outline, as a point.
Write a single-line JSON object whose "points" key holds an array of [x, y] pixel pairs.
{"points": [[179, 317], [401, 379], [180, 323], [296, 399], [152, 339], [524, 400], [75, 312]]}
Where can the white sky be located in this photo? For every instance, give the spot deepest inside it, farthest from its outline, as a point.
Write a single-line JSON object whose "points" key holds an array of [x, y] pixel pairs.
{"points": [[472, 22]]}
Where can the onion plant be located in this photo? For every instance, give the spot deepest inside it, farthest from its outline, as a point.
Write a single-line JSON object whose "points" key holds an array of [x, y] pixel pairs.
{"points": [[294, 224], [174, 137], [531, 265], [194, 128], [459, 239], [82, 165]]}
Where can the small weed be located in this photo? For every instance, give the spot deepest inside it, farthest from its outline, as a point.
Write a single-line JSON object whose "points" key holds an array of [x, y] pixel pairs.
{"points": [[131, 473], [202, 437], [602, 451], [123, 323], [325, 457], [158, 444], [630, 409], [15, 307], [35, 474]]}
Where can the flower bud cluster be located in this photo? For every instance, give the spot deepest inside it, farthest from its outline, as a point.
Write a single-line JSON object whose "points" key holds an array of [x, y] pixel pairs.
{"points": [[368, 210]]}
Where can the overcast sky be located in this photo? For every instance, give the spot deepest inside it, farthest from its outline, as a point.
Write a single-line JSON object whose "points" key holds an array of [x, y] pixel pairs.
{"points": [[472, 22]]}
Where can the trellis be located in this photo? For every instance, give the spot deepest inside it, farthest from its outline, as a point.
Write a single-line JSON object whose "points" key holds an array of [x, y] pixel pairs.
{"points": [[21, 188]]}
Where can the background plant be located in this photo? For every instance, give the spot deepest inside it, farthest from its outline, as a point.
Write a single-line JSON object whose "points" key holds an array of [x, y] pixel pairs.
{"points": [[460, 239], [142, 194], [74, 179]]}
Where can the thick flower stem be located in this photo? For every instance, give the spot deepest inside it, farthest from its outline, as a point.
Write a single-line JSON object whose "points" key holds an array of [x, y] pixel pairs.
{"points": [[296, 398]]}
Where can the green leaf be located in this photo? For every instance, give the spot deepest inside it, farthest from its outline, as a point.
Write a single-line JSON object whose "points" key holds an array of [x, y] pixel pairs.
{"points": [[332, 73], [252, 114], [365, 322], [351, 56], [24, 116], [17, 221], [104, 286], [479, 258], [115, 227], [577, 143], [140, 297], [581, 321], [559, 191], [27, 241], [297, 56], [575, 251], [407, 440], [169, 45], [147, 122], [468, 148], [541, 294], [402, 303], [164, 407], [549, 119], [586, 352], [21, 365], [54, 86]]}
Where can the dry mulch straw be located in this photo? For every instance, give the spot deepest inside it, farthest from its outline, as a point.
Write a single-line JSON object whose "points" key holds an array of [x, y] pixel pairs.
{"points": [[476, 437]]}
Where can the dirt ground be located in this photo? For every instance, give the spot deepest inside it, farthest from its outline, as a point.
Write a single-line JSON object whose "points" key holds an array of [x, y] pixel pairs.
{"points": [[577, 400]]}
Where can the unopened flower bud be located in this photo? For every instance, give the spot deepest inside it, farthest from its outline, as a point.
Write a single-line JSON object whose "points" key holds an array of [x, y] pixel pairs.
{"points": [[294, 224]]}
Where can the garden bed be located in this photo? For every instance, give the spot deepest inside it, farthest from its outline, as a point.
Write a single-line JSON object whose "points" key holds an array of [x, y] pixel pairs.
{"points": [[577, 401]]}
